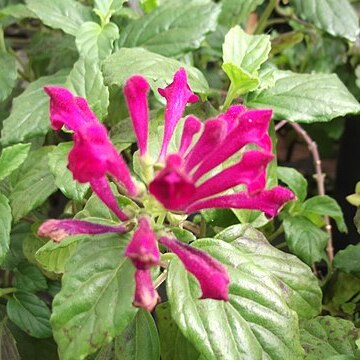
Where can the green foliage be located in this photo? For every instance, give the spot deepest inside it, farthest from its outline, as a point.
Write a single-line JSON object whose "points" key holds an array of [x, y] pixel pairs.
{"points": [[5, 228], [11, 158], [347, 260], [8, 75]]}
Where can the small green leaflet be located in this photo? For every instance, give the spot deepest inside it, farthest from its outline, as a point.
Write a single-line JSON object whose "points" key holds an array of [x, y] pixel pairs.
{"points": [[11, 158]]}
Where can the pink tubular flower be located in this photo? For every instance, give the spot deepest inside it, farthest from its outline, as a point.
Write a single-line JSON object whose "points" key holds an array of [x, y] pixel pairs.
{"points": [[212, 276], [93, 155], [58, 230], [146, 296], [142, 249]]}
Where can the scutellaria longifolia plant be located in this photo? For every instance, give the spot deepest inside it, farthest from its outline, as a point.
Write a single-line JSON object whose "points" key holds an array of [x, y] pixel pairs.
{"points": [[177, 181]]}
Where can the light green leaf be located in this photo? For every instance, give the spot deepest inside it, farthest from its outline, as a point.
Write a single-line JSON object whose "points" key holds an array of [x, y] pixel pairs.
{"points": [[29, 278], [8, 75], [63, 177], [53, 256], [300, 287], [30, 111], [105, 6], [174, 345], [16, 11], [157, 69], [295, 180], [245, 51], [337, 17], [172, 29], [96, 296], [140, 337], [234, 12], [96, 42], [255, 323], [11, 158], [86, 80], [5, 226], [325, 205], [305, 239], [67, 15], [327, 336], [348, 260], [300, 97], [33, 183], [30, 314]]}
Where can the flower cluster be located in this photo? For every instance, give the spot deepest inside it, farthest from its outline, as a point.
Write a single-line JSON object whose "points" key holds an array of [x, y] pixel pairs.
{"points": [[187, 181]]}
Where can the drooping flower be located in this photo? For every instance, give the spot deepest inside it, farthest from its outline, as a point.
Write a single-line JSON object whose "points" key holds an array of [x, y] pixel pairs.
{"points": [[146, 296]]}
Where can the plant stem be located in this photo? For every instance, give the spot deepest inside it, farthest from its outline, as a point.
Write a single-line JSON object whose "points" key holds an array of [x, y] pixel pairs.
{"points": [[281, 245], [202, 228], [276, 233], [261, 26], [160, 279]]}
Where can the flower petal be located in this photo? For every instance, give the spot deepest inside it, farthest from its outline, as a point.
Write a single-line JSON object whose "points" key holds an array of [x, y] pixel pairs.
{"points": [[192, 126], [136, 92], [212, 276], [232, 115], [251, 129], [177, 95], [268, 201], [146, 296], [102, 189], [57, 230], [142, 249], [250, 170]]}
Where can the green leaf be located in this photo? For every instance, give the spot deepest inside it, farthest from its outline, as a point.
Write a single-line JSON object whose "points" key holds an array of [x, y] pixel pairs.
{"points": [[96, 296], [337, 17], [30, 111], [8, 349], [305, 239], [157, 69], [299, 285], [348, 260], [172, 29], [5, 226], [16, 11], [300, 97], [174, 345], [140, 337], [33, 184], [30, 314], [53, 256], [295, 180], [8, 75], [237, 11], [243, 55], [327, 336], [255, 322], [63, 177], [325, 205], [29, 278], [105, 6], [96, 42], [67, 15], [11, 158]]}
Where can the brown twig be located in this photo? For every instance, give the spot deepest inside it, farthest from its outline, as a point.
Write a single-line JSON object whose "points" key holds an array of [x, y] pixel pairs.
{"points": [[320, 177]]}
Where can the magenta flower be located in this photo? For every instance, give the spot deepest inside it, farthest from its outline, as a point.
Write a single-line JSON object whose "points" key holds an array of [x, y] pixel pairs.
{"points": [[230, 150]]}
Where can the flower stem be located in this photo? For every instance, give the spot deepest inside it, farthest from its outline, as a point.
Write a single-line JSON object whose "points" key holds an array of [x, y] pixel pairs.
{"points": [[262, 24]]}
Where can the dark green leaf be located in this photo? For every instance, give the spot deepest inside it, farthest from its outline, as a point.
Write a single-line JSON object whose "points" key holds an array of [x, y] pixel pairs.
{"points": [[63, 177], [237, 11], [67, 15], [30, 313], [256, 322], [172, 29], [158, 69], [30, 112], [34, 183], [325, 205], [8, 75], [29, 278], [95, 42], [337, 17], [8, 349], [11, 158], [96, 297], [139, 340], [5, 226], [300, 97], [348, 260], [326, 336], [295, 180], [299, 285], [174, 345], [305, 239]]}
